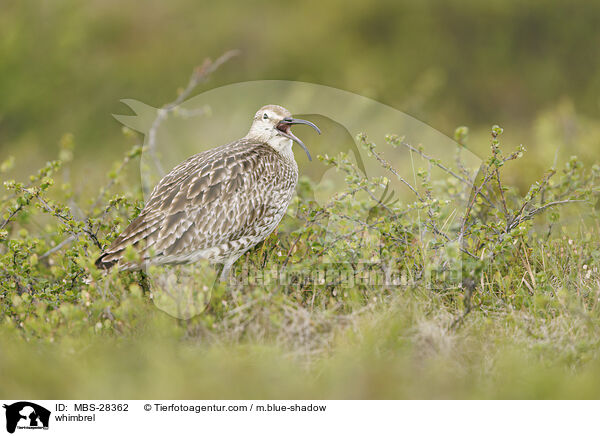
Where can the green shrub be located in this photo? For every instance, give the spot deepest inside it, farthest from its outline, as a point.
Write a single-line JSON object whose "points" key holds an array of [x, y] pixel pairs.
{"points": [[524, 273]]}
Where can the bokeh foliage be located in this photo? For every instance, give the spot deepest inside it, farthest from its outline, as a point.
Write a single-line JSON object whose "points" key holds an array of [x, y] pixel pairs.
{"points": [[532, 288], [66, 64]]}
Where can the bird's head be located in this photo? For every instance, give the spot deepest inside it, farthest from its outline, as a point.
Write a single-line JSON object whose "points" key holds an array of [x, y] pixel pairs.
{"points": [[272, 125]]}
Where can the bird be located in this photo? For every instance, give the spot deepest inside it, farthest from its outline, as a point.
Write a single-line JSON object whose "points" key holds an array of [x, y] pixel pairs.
{"points": [[217, 204]]}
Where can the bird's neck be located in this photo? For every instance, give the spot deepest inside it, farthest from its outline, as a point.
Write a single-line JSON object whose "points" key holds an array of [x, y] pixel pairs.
{"points": [[283, 146]]}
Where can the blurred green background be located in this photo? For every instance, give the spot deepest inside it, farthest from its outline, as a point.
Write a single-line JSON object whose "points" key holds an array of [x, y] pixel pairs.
{"points": [[532, 67]]}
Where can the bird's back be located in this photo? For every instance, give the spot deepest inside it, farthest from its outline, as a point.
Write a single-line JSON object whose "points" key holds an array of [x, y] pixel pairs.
{"points": [[215, 205]]}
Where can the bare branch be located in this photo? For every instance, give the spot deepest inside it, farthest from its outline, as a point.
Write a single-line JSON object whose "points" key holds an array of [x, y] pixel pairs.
{"points": [[439, 165], [540, 209], [199, 75], [10, 217], [60, 245], [391, 169]]}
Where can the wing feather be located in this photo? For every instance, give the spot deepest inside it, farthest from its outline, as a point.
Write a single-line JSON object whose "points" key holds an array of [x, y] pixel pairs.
{"points": [[209, 200]]}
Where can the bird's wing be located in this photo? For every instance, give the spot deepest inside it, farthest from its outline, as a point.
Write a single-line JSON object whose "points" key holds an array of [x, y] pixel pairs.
{"points": [[210, 199]]}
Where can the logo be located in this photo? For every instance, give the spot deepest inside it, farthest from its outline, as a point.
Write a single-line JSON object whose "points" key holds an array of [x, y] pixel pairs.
{"points": [[26, 415]]}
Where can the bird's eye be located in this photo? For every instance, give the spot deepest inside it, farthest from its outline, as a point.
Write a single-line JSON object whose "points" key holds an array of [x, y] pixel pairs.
{"points": [[265, 117]]}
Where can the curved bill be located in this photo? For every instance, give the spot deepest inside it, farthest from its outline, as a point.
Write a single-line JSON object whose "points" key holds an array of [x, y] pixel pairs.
{"points": [[285, 127]]}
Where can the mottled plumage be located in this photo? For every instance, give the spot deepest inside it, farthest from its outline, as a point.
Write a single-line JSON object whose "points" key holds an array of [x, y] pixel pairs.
{"points": [[218, 204]]}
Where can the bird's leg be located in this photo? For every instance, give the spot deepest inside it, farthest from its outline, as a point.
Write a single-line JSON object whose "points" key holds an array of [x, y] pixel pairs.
{"points": [[224, 276], [145, 282]]}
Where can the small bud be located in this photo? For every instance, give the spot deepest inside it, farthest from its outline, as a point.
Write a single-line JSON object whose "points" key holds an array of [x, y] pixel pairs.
{"points": [[497, 130]]}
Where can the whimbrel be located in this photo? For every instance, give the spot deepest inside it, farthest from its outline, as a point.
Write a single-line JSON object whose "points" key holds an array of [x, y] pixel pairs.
{"points": [[217, 204]]}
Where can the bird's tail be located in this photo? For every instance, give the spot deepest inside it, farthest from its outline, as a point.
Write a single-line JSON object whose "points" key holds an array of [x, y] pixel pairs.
{"points": [[106, 261]]}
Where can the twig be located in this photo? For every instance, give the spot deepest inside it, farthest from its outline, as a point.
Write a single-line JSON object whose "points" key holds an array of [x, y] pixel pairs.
{"points": [[528, 202], [471, 203], [60, 245], [113, 180], [199, 75], [504, 206], [65, 219], [536, 211], [391, 169], [11, 216], [439, 165]]}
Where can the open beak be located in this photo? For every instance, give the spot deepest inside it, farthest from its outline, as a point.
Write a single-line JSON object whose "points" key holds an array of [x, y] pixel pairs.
{"points": [[284, 126]]}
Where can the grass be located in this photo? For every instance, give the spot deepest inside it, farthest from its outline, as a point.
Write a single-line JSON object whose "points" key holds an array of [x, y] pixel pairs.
{"points": [[402, 350]]}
